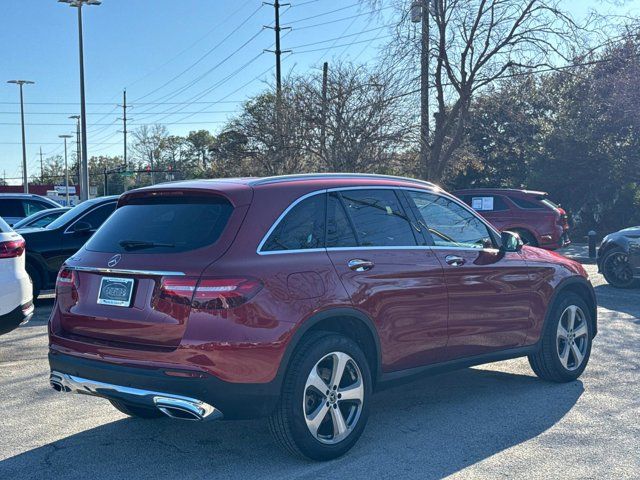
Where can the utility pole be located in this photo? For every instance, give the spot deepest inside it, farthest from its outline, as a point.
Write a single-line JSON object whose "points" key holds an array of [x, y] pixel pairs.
{"points": [[323, 131], [124, 123], [41, 167], [78, 154], [106, 181], [66, 168], [278, 52], [420, 13], [25, 178], [78, 4]]}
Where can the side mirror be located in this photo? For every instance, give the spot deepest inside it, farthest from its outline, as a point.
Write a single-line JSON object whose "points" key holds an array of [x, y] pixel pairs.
{"points": [[511, 242], [82, 228]]}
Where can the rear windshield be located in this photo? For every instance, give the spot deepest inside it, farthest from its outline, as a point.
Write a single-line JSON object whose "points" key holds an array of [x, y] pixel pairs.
{"points": [[4, 226], [163, 225]]}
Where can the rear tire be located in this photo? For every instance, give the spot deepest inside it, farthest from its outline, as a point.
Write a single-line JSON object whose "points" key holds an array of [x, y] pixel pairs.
{"points": [[617, 270], [136, 411], [565, 345], [36, 280], [323, 425]]}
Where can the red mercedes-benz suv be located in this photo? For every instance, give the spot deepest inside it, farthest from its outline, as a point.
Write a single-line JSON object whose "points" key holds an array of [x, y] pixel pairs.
{"points": [[297, 297]]}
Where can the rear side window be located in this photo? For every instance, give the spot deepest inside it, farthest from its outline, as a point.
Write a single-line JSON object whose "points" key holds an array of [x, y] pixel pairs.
{"points": [[31, 207], [339, 230], [526, 204], [486, 203], [4, 226], [163, 225], [11, 208], [378, 218], [302, 228]]}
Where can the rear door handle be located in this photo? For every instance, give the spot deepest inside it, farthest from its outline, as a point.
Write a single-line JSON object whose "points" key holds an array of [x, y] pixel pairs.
{"points": [[359, 265], [454, 260]]}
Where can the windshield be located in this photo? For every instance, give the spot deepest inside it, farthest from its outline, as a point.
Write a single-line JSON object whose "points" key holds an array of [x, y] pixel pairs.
{"points": [[163, 225]]}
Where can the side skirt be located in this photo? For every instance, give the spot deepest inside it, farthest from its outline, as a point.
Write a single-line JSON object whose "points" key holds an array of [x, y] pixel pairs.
{"points": [[391, 379]]}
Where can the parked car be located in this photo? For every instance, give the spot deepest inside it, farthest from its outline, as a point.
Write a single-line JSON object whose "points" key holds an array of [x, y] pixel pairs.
{"points": [[16, 206], [16, 303], [538, 221], [41, 219], [297, 297], [49, 247], [619, 258]]}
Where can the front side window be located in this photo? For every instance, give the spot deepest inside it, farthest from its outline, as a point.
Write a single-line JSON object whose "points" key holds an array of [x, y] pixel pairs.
{"points": [[302, 228], [339, 230], [378, 218], [31, 207], [97, 217], [11, 208], [451, 225]]}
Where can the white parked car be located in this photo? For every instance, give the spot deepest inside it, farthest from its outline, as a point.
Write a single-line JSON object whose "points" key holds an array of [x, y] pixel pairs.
{"points": [[16, 301]]}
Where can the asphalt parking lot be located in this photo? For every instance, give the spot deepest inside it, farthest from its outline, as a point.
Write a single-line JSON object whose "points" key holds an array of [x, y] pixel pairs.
{"points": [[492, 421]]}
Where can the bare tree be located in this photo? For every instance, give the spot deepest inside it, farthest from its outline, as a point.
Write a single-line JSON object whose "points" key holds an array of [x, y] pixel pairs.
{"points": [[473, 43], [148, 144]]}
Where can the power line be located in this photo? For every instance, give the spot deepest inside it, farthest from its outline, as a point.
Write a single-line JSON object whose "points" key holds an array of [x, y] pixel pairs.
{"points": [[297, 52]]}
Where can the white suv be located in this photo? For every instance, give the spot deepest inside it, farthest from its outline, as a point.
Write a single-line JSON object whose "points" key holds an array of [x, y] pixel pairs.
{"points": [[16, 302]]}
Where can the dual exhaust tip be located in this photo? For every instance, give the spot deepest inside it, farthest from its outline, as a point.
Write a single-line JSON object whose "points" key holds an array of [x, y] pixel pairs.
{"points": [[173, 406]]}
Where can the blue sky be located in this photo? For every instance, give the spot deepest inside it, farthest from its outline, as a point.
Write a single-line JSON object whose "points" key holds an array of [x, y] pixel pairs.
{"points": [[163, 52]]}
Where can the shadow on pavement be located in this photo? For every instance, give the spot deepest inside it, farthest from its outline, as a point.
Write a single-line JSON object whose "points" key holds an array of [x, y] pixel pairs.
{"points": [[427, 429], [620, 300]]}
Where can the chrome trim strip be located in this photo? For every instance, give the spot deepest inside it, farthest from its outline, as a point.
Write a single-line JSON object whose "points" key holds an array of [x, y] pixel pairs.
{"points": [[122, 271], [373, 187], [64, 382]]}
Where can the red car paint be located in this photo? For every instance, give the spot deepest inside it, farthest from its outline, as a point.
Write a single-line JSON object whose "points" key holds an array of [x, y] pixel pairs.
{"points": [[423, 311], [523, 211]]}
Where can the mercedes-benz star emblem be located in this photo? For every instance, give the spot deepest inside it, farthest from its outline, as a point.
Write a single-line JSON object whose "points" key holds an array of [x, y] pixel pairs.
{"points": [[113, 261]]}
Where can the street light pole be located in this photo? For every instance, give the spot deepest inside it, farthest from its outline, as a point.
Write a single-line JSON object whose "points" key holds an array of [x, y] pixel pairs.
{"points": [[84, 169], [25, 176], [78, 150], [66, 167]]}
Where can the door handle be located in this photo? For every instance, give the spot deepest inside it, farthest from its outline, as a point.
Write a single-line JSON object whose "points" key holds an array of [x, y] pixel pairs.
{"points": [[454, 260], [359, 265]]}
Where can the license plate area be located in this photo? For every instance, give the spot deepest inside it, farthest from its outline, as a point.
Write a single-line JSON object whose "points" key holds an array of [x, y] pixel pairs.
{"points": [[116, 292]]}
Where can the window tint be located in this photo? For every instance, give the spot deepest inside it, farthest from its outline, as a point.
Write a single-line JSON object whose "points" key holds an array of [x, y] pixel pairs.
{"points": [[44, 220], [301, 229], [526, 204], [31, 207], [163, 225], [449, 223], [339, 231], [378, 218], [11, 208], [486, 203], [97, 217]]}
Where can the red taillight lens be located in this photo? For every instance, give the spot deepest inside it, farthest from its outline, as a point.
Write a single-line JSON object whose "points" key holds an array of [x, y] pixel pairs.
{"points": [[66, 283], [12, 248], [210, 293]]}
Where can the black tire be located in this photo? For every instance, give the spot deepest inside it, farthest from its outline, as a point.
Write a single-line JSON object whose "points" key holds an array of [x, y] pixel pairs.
{"points": [[36, 280], [137, 411], [527, 238], [546, 363], [617, 280], [288, 424]]}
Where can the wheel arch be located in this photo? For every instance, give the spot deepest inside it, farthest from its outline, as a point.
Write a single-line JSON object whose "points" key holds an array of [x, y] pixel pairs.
{"points": [[581, 287], [350, 322]]}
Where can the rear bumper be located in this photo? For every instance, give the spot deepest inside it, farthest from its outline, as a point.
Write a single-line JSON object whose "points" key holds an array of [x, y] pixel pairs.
{"points": [[159, 387], [16, 317]]}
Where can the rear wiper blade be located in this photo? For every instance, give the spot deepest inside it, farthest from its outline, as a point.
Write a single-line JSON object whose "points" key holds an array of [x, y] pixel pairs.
{"points": [[141, 244]]}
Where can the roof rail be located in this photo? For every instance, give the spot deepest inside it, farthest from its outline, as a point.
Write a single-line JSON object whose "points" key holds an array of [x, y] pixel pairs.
{"points": [[320, 176]]}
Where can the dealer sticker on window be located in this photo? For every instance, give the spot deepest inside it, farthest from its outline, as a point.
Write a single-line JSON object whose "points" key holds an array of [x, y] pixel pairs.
{"points": [[115, 291]]}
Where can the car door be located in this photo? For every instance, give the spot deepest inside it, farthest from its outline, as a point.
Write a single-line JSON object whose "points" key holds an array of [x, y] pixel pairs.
{"points": [[490, 291], [381, 257], [72, 240]]}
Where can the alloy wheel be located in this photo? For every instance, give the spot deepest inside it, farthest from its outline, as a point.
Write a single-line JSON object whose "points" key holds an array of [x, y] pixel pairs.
{"points": [[617, 269], [333, 398], [572, 337]]}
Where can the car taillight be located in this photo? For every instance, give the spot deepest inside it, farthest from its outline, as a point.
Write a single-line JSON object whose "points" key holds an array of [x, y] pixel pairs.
{"points": [[210, 293], [66, 283], [12, 248]]}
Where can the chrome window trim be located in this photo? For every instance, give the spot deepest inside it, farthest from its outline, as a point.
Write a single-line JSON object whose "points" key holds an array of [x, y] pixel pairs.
{"points": [[373, 187], [124, 271]]}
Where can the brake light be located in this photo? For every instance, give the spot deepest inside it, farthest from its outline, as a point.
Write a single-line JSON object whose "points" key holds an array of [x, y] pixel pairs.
{"points": [[210, 293], [12, 248], [66, 283]]}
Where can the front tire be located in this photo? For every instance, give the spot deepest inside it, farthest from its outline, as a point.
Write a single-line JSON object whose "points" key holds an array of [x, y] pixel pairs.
{"points": [[325, 398], [566, 341], [617, 270]]}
